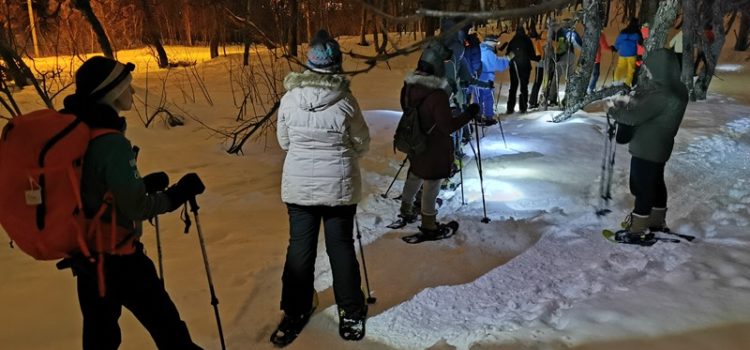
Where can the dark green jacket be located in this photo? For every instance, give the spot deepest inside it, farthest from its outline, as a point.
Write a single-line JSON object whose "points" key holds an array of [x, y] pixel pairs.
{"points": [[109, 165], [656, 109]]}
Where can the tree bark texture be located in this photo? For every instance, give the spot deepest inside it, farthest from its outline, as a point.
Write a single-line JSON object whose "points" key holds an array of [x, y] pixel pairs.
{"points": [[151, 34], [101, 35], [575, 89], [689, 24]]}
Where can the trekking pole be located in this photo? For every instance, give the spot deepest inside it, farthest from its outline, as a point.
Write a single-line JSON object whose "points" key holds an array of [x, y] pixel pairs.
{"points": [[481, 177], [370, 298], [214, 300], [461, 176], [136, 151], [608, 163], [158, 248], [502, 133], [603, 200], [385, 195]]}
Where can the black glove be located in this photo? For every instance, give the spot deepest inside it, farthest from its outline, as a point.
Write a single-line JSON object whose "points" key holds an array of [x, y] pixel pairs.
{"points": [[188, 187], [492, 85], [473, 110], [613, 48], [156, 182]]}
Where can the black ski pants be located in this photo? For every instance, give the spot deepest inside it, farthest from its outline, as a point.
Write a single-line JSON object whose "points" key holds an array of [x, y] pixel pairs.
{"points": [[538, 78], [647, 185], [519, 76], [131, 281], [299, 270]]}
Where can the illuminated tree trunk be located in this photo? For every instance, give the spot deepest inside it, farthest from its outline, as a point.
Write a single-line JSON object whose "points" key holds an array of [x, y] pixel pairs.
{"points": [[151, 34], [575, 89], [186, 20], [85, 7]]}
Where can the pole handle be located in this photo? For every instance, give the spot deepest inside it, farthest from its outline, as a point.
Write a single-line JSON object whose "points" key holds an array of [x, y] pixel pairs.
{"points": [[193, 205]]}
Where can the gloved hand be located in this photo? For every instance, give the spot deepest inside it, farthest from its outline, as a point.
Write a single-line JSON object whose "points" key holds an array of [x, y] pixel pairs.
{"points": [[613, 48], [491, 85], [188, 187], [473, 110], [156, 182], [511, 55]]}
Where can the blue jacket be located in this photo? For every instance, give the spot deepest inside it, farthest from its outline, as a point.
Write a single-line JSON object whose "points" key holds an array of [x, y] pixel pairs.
{"points": [[627, 44], [491, 63]]}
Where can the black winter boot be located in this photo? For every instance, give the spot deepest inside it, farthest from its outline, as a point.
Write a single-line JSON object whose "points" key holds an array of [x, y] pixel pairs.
{"points": [[352, 323]]}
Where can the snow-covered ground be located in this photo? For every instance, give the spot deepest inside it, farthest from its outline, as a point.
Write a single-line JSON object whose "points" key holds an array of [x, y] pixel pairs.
{"points": [[539, 275]]}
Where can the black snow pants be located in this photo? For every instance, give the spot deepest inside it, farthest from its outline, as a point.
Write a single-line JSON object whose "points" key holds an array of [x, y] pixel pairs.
{"points": [[519, 75], [299, 270], [647, 185], [131, 281]]}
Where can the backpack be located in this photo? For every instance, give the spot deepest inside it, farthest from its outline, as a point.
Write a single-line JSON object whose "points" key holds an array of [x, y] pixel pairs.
{"points": [[41, 163], [410, 137]]}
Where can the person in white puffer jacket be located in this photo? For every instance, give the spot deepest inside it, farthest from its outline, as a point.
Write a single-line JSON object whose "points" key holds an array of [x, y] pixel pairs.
{"points": [[321, 127]]}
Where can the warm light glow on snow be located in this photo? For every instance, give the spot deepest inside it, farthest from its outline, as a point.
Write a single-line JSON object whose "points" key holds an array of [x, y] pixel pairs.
{"points": [[729, 67]]}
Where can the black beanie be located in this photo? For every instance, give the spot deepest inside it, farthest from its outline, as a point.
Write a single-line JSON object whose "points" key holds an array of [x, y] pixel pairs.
{"points": [[101, 79]]}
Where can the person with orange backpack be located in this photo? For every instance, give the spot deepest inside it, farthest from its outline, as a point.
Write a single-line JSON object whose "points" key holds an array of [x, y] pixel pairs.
{"points": [[85, 202]]}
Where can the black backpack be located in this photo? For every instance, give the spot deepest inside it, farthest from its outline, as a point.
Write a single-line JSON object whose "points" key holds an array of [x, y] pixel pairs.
{"points": [[410, 137]]}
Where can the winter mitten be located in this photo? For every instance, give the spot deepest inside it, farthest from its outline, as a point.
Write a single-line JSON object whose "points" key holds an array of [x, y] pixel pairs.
{"points": [[156, 182], [188, 187]]}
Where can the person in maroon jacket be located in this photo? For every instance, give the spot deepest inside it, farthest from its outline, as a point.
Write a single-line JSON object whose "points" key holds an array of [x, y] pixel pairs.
{"points": [[428, 90]]}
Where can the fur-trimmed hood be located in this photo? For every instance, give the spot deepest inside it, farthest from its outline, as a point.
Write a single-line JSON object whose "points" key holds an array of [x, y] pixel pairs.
{"points": [[314, 91], [428, 81]]}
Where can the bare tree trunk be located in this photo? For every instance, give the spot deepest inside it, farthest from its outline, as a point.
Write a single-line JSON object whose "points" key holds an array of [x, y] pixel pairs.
{"points": [[293, 27], [363, 28], [12, 58], [85, 7], [665, 17], [689, 24], [742, 37], [712, 52], [575, 90], [187, 21], [15, 72], [151, 34]]}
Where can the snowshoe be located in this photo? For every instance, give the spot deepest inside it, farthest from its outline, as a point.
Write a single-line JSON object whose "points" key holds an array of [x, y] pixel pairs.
{"points": [[442, 232], [642, 239], [291, 326], [352, 324], [666, 230], [402, 221]]}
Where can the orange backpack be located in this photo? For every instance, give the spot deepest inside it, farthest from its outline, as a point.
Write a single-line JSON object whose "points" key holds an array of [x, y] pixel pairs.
{"points": [[41, 162]]}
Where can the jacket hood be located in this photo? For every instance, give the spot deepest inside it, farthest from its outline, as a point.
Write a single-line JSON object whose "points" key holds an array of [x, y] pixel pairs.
{"points": [[314, 91], [663, 65], [424, 85]]}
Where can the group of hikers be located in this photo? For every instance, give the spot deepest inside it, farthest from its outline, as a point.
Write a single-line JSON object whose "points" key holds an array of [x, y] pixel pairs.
{"points": [[324, 134]]}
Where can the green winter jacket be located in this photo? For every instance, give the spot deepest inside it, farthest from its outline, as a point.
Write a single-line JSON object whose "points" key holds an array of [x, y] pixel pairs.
{"points": [[656, 109], [109, 165]]}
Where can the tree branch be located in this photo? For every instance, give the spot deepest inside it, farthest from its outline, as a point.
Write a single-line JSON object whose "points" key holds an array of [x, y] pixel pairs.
{"points": [[532, 10], [590, 98]]}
